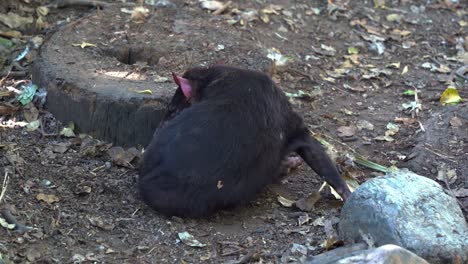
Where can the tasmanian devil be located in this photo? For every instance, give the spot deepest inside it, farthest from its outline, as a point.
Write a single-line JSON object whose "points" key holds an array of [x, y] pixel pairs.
{"points": [[224, 137]]}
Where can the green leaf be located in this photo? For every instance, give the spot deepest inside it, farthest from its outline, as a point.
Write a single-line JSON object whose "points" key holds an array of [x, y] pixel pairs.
{"points": [[409, 92], [353, 50]]}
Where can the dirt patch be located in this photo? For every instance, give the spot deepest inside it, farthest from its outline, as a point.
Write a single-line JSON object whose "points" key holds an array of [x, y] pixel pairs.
{"points": [[98, 214]]}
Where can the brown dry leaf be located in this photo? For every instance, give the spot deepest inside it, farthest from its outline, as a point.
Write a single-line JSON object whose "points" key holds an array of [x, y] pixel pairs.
{"points": [[402, 33], [347, 65], [265, 18], [351, 181], [139, 14], [12, 20], [30, 112], [373, 30], [7, 109], [329, 79], [48, 198], [443, 69], [308, 203], [405, 120], [346, 131], [121, 157], [456, 122], [96, 221], [11, 34], [92, 147], [83, 189], [354, 89], [354, 58], [330, 242], [272, 9]]}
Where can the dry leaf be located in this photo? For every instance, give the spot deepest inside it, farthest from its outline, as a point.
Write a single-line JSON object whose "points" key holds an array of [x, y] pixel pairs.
{"points": [[346, 131], [405, 70], [456, 122], [83, 45], [405, 120], [285, 201], [211, 5], [402, 33], [12, 20], [96, 221], [308, 203], [394, 17], [450, 96], [48, 198], [303, 219], [384, 138]]}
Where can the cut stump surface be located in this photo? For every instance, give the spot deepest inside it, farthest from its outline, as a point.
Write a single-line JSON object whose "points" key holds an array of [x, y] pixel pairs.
{"points": [[96, 86]]}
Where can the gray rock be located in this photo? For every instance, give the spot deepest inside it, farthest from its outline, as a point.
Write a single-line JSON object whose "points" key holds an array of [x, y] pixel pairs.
{"points": [[408, 210], [387, 254]]}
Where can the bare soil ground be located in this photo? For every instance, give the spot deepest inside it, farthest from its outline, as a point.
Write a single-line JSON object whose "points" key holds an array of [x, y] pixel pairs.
{"points": [[82, 207]]}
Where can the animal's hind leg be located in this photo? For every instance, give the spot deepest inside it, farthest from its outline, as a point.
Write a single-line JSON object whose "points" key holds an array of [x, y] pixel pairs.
{"points": [[289, 163]]}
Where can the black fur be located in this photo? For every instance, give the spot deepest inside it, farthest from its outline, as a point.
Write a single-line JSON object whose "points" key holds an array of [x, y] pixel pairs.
{"points": [[224, 146]]}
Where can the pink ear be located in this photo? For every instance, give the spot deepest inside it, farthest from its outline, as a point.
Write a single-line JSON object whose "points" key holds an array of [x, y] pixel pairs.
{"points": [[184, 85]]}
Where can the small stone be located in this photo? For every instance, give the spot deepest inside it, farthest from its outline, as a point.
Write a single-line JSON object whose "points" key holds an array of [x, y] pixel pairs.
{"points": [[297, 248], [364, 125]]}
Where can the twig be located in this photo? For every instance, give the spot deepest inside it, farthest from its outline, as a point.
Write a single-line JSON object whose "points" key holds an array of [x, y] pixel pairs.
{"points": [[4, 185], [247, 256], [222, 8], [13, 74], [452, 159]]}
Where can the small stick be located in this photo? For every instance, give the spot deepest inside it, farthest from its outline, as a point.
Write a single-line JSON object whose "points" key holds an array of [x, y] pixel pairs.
{"points": [[452, 159], [13, 74], [4, 185], [222, 8], [303, 74], [247, 257]]}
